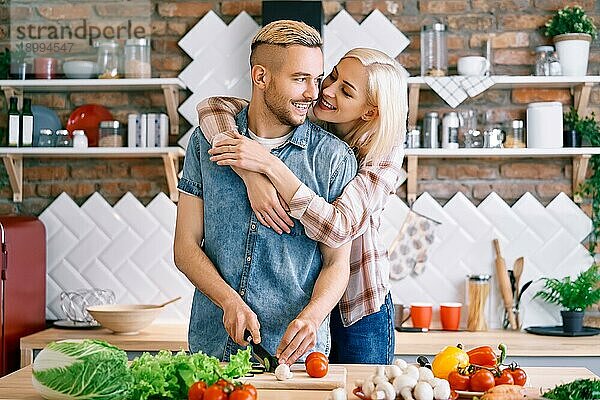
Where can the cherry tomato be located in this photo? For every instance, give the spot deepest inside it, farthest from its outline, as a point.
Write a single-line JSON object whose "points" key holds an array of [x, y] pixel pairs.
{"points": [[317, 368], [519, 376], [505, 378], [316, 354], [241, 394], [482, 380], [215, 392], [250, 388], [458, 381], [225, 385], [197, 390]]}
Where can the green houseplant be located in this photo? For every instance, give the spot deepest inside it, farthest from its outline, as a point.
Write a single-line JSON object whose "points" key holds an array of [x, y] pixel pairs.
{"points": [[574, 296], [572, 31]]}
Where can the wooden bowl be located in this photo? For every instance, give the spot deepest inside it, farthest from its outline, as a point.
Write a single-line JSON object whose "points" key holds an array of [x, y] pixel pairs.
{"points": [[125, 319]]}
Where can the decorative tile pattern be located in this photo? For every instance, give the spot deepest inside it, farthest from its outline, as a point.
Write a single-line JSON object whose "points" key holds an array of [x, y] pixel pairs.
{"points": [[220, 53], [126, 248], [548, 237]]}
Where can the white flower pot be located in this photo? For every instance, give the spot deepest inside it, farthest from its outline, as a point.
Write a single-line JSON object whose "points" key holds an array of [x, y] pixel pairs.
{"points": [[573, 50]]}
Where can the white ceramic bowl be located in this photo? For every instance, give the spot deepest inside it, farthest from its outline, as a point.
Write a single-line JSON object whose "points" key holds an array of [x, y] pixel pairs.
{"points": [[125, 319], [79, 69]]}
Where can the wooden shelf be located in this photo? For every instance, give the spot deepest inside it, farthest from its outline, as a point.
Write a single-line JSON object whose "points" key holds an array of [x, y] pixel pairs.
{"points": [[169, 86], [580, 86], [13, 161], [580, 156]]}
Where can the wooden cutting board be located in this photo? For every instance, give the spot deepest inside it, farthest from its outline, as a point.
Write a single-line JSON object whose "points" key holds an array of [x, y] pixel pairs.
{"points": [[336, 377]]}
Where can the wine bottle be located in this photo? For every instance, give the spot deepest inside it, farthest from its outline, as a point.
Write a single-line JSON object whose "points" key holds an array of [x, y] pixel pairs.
{"points": [[14, 130], [26, 124]]}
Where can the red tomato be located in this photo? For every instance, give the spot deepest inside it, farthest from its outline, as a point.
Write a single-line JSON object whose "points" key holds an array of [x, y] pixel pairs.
{"points": [[482, 380], [458, 381], [317, 368], [519, 376], [505, 378], [215, 392], [197, 390], [316, 354], [241, 394], [250, 388]]}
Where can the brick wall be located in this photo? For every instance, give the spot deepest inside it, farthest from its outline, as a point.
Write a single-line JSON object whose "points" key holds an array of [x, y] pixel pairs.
{"points": [[515, 24]]}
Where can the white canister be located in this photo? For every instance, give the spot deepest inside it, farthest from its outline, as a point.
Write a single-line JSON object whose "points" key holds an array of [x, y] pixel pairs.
{"points": [[545, 125], [450, 124]]}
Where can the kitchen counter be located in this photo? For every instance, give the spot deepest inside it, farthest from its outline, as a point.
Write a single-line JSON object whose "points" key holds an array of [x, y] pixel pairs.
{"points": [[17, 386], [408, 344]]}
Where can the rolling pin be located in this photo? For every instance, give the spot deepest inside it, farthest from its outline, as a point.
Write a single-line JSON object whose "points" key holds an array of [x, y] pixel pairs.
{"points": [[504, 284]]}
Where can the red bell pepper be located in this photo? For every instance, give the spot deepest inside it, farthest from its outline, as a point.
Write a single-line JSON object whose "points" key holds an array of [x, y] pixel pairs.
{"points": [[484, 356]]}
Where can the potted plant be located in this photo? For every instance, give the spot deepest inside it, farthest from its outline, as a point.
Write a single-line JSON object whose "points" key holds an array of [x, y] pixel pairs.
{"points": [[572, 32], [574, 296]]}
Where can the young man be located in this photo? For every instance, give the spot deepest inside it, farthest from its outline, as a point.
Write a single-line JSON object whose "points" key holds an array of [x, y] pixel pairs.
{"points": [[281, 288]]}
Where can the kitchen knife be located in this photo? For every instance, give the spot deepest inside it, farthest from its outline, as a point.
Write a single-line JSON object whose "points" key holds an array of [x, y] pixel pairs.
{"points": [[261, 354]]}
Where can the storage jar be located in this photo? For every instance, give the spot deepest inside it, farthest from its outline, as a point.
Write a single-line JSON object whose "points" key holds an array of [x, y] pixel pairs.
{"points": [[108, 59], [545, 125], [110, 134], [434, 50], [137, 58]]}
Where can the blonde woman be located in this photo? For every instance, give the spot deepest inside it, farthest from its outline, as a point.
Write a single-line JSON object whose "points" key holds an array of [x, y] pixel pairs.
{"points": [[363, 101]]}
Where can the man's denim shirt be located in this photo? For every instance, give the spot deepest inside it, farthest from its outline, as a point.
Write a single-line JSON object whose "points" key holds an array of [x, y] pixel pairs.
{"points": [[274, 274]]}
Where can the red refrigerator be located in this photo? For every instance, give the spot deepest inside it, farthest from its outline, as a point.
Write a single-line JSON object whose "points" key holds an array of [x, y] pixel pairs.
{"points": [[22, 285]]}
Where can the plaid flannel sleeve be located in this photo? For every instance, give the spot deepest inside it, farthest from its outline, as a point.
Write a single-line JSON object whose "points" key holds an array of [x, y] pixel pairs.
{"points": [[348, 216], [217, 115]]}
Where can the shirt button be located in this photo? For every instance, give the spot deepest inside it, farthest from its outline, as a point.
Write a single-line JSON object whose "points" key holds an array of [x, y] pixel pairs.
{"points": [[242, 292], [253, 226], [249, 259]]}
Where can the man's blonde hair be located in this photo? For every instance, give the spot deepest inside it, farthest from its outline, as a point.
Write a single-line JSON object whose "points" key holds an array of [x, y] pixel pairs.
{"points": [[285, 33], [387, 90]]}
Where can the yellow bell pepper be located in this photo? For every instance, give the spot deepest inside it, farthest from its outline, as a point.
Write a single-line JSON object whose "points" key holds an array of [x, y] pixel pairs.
{"points": [[448, 360]]}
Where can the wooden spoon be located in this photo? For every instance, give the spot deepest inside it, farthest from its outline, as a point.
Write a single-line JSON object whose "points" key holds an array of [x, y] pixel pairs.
{"points": [[518, 271], [168, 302]]}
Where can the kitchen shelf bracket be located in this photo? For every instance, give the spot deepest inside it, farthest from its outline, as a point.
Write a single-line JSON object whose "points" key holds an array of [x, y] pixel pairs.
{"points": [[582, 97], [171, 93], [14, 169], [413, 104], [412, 165], [170, 162], [580, 164]]}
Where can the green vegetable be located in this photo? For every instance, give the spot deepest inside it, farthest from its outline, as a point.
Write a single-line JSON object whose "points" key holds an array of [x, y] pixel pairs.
{"points": [[167, 375], [581, 389], [85, 369]]}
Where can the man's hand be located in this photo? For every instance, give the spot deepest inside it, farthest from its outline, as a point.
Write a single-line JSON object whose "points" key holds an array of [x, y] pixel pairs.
{"points": [[266, 204], [299, 337], [237, 317]]}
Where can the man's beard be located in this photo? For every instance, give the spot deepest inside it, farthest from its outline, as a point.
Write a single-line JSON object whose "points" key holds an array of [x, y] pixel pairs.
{"points": [[276, 104]]}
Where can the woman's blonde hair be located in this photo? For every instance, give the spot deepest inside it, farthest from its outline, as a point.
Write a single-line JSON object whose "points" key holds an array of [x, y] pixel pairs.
{"points": [[386, 90]]}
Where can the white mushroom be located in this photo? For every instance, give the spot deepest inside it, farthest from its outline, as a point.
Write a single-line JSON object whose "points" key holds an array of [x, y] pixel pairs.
{"points": [[404, 381], [442, 390], [378, 380], [437, 381], [338, 394], [392, 371], [426, 375], [380, 371], [423, 391], [388, 389], [282, 372], [400, 363], [368, 388], [378, 395], [413, 371], [406, 393]]}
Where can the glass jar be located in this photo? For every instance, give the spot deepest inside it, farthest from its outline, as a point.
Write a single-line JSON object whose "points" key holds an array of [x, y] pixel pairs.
{"points": [[137, 58], [45, 138], [434, 50], [555, 68], [478, 291], [542, 60], [108, 59], [80, 141], [516, 135], [110, 134], [62, 138]]}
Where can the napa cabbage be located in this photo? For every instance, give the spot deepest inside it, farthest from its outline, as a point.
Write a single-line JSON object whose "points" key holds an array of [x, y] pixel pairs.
{"points": [[81, 369]]}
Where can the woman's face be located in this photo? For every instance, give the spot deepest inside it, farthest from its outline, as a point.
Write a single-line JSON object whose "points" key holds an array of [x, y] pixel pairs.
{"points": [[343, 99]]}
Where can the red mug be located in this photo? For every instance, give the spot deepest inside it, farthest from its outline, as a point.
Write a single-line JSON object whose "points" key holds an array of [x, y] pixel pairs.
{"points": [[420, 314], [45, 67], [450, 316]]}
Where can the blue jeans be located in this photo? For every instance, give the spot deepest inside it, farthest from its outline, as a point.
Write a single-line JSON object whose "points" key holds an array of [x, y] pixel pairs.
{"points": [[370, 340]]}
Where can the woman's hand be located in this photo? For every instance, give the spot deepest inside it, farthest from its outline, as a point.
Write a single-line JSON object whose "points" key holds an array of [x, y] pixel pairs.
{"points": [[269, 208], [241, 152]]}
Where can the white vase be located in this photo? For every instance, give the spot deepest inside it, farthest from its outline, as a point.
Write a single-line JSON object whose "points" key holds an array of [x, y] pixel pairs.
{"points": [[573, 50]]}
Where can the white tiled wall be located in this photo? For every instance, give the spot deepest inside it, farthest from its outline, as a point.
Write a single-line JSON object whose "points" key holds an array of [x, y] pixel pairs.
{"points": [[547, 237]]}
